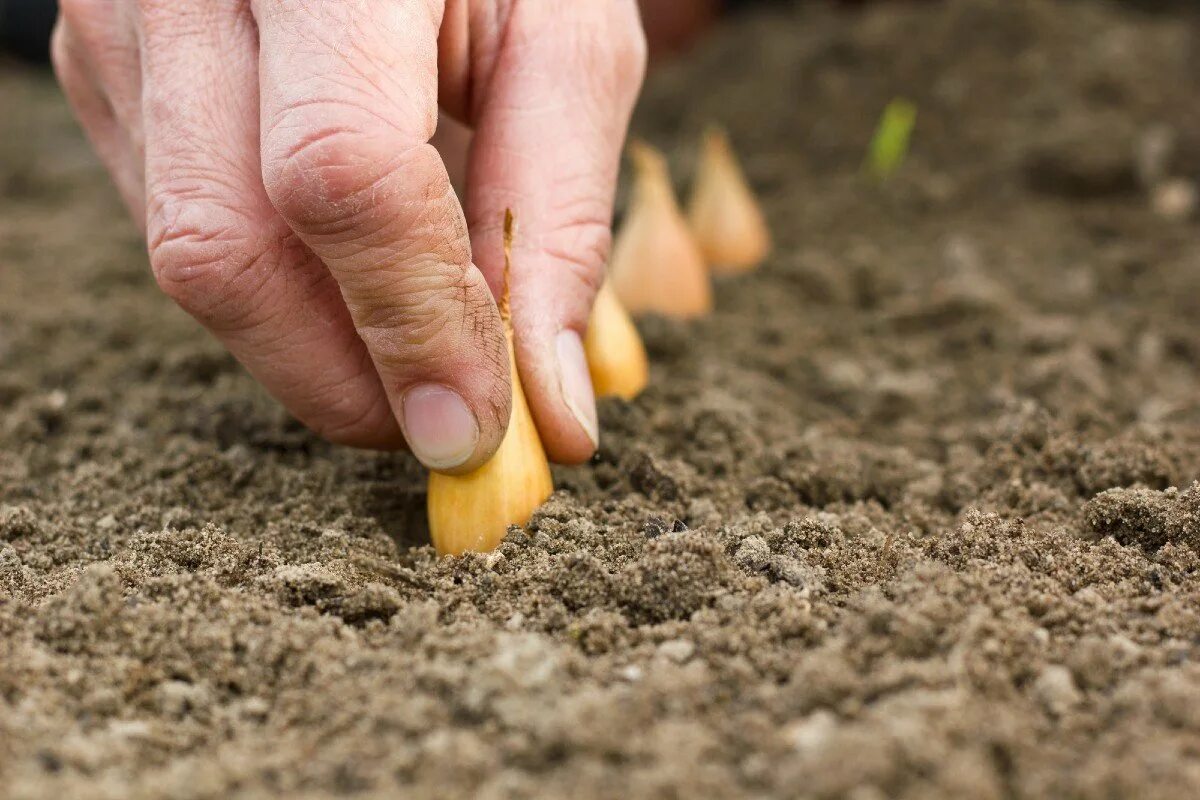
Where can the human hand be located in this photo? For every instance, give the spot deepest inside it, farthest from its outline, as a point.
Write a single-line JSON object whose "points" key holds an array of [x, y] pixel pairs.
{"points": [[276, 154]]}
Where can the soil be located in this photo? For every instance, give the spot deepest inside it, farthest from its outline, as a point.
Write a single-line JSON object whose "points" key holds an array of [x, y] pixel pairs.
{"points": [[912, 515]]}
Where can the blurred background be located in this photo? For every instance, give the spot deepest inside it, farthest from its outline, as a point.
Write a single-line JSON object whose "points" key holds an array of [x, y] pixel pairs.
{"points": [[671, 25]]}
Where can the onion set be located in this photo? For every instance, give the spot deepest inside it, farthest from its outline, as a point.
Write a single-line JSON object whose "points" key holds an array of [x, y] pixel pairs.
{"points": [[723, 212], [472, 512], [615, 353], [656, 264]]}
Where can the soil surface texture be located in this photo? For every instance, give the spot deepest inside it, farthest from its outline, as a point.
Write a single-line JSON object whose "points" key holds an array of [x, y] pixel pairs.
{"points": [[913, 514]]}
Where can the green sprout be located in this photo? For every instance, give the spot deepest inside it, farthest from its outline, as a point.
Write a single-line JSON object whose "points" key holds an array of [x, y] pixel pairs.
{"points": [[889, 146]]}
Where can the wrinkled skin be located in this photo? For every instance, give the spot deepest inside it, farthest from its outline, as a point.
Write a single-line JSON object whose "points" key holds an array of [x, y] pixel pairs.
{"points": [[277, 154]]}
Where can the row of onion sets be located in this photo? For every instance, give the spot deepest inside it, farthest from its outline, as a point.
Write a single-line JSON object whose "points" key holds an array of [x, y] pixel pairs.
{"points": [[663, 261]]}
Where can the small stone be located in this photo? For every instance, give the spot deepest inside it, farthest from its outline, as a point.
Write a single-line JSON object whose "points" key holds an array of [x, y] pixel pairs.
{"points": [[794, 573], [178, 699], [373, 601], [307, 584], [654, 478], [677, 650], [527, 660], [1055, 689], [753, 554], [1174, 199], [255, 709], [653, 528], [811, 733], [132, 729], [631, 673]]}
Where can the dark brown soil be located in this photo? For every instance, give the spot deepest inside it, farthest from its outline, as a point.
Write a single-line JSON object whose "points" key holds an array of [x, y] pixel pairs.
{"points": [[912, 515]]}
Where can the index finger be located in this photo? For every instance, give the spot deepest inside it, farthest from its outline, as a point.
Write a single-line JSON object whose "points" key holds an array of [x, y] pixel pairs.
{"points": [[349, 103]]}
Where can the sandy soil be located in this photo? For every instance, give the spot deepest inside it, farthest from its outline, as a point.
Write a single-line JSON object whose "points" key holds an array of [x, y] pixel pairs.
{"points": [[912, 515]]}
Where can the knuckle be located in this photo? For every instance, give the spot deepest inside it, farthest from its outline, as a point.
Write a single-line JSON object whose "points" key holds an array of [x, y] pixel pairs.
{"points": [[323, 164], [206, 258], [312, 172]]}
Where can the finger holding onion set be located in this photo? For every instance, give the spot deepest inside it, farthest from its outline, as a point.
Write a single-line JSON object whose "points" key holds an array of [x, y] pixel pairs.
{"points": [[276, 154], [660, 264]]}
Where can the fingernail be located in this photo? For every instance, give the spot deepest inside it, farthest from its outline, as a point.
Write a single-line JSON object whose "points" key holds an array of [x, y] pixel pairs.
{"points": [[439, 427], [575, 383]]}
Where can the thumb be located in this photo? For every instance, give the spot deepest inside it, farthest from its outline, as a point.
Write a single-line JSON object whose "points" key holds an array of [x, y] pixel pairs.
{"points": [[549, 133]]}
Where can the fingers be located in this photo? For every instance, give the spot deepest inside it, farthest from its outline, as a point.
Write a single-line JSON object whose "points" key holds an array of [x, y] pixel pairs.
{"points": [[549, 133], [109, 132], [216, 245], [104, 34], [349, 103]]}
